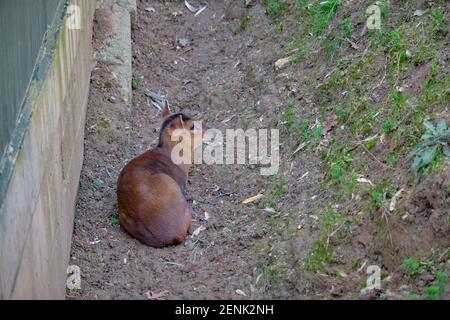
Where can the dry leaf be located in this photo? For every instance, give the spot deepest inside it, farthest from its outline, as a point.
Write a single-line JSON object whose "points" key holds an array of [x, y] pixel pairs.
{"points": [[228, 119], [156, 296], [190, 7], [304, 175], [354, 45], [242, 293], [177, 13], [150, 9], [300, 147], [419, 13], [207, 216], [371, 138], [329, 124], [200, 11], [394, 200], [280, 63], [251, 199], [198, 230], [364, 180]]}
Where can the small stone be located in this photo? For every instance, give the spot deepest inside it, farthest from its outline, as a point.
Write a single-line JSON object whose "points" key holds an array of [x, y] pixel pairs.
{"points": [[428, 278], [112, 99], [419, 13], [280, 63], [183, 42], [336, 291]]}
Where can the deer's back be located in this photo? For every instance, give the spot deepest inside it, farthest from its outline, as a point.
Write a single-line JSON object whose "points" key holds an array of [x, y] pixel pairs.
{"points": [[151, 203]]}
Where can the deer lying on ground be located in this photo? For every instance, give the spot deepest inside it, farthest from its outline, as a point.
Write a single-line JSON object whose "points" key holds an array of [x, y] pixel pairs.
{"points": [[150, 189]]}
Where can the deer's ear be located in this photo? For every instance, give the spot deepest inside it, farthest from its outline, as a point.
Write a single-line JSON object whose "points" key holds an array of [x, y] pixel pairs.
{"points": [[166, 111]]}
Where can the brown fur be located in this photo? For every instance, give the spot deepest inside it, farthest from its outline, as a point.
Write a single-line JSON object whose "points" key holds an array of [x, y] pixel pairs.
{"points": [[150, 192]]}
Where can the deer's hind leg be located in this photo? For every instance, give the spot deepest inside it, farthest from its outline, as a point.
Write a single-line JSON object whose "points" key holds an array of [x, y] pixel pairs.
{"points": [[188, 215]]}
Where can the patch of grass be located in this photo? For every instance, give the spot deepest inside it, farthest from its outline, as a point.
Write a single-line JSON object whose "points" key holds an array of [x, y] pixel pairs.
{"points": [[437, 290], [336, 172], [435, 141], [412, 267], [395, 41], [96, 185], [347, 28], [290, 115], [384, 8], [438, 20], [372, 95], [115, 222], [340, 111], [342, 64], [136, 82], [271, 274], [318, 13], [321, 255], [107, 85], [245, 21], [317, 133], [356, 264], [276, 191], [276, 8], [304, 129], [414, 296], [387, 126], [103, 123]]}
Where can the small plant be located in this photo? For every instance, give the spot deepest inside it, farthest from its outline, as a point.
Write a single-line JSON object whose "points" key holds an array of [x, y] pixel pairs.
{"points": [[136, 82], [317, 133], [329, 7], [341, 112], [414, 296], [342, 63], [434, 141], [97, 184], [319, 257], [115, 222], [412, 267], [108, 85], [291, 114], [319, 13], [245, 22], [399, 99], [384, 8], [437, 291], [275, 7], [395, 40], [336, 172], [348, 29], [387, 126], [377, 198], [438, 20], [304, 127]]}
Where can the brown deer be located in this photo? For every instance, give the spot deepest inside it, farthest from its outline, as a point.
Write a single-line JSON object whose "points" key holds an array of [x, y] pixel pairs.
{"points": [[150, 189]]}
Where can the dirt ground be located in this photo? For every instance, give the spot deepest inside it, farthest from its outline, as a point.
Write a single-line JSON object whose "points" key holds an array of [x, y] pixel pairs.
{"points": [[205, 78], [212, 70]]}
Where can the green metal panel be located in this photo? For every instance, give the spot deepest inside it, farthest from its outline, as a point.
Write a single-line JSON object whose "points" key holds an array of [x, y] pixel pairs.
{"points": [[23, 25]]}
